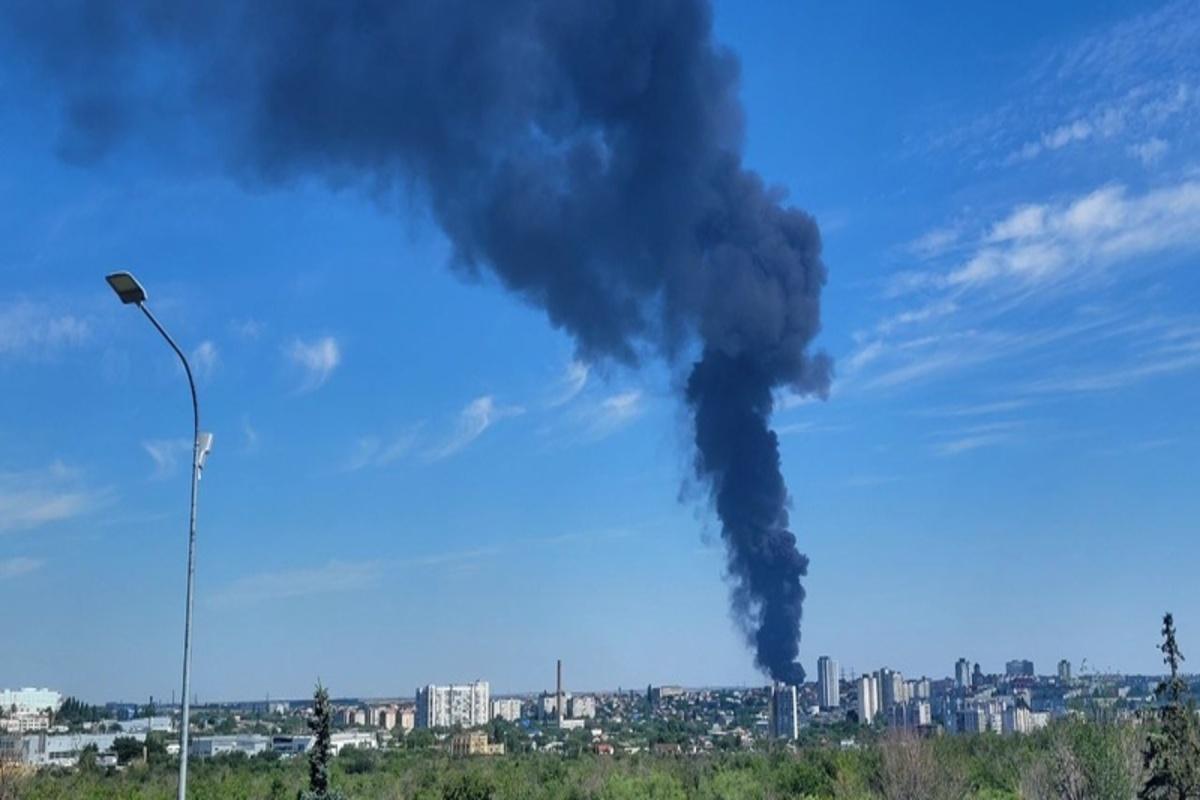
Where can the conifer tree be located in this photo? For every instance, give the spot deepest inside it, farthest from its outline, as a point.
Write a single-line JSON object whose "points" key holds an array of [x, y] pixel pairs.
{"points": [[320, 723], [1173, 748]]}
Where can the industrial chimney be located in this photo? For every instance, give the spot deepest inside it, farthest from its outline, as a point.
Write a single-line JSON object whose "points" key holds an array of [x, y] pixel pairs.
{"points": [[558, 697]]}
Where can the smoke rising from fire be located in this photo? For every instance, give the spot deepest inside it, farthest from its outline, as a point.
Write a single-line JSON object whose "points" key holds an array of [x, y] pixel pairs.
{"points": [[587, 152]]}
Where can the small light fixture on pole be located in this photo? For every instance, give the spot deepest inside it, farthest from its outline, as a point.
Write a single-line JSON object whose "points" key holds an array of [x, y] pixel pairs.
{"points": [[131, 293]]}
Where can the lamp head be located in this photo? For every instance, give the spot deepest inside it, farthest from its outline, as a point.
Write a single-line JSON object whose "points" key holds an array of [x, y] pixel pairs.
{"points": [[126, 287]]}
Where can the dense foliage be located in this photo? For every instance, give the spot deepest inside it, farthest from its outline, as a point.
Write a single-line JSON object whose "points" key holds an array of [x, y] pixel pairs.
{"points": [[1069, 761]]}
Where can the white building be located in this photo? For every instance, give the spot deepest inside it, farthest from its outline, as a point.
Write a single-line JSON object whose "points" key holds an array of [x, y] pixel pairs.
{"points": [[25, 722], [30, 700], [868, 700], [466, 704], [360, 739], [785, 712], [507, 708], [211, 746], [42, 750], [1018, 719], [583, 707], [828, 688], [149, 724]]}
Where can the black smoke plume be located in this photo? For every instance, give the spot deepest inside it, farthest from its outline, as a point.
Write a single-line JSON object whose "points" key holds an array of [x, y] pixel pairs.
{"points": [[588, 152]]}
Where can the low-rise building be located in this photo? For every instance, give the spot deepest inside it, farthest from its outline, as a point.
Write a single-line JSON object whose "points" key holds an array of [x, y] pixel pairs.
{"points": [[474, 743], [212, 746], [360, 739], [25, 722], [43, 750], [292, 745]]}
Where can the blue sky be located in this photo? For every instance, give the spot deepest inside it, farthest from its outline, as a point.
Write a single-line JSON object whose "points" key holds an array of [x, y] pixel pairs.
{"points": [[413, 482]]}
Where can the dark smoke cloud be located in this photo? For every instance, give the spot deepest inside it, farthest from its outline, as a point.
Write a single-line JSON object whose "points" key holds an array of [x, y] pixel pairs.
{"points": [[587, 152]]}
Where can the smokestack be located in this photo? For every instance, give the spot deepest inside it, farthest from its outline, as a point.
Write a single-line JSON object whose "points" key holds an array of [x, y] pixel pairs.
{"points": [[558, 696], [586, 152]]}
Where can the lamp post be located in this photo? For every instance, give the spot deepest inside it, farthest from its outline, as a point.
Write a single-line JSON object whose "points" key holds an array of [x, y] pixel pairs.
{"points": [[131, 292]]}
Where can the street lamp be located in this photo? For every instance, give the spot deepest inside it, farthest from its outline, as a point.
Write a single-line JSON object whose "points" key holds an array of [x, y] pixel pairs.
{"points": [[131, 292]]}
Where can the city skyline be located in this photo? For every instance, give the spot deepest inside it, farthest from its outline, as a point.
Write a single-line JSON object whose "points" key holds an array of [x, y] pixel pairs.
{"points": [[415, 478]]}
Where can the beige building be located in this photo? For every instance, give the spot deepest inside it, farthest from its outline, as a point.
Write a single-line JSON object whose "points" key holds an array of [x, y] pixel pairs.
{"points": [[474, 743]]}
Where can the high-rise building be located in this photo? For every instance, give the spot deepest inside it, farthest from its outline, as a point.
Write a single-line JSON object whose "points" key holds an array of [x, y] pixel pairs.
{"points": [[460, 704], [1019, 668], [785, 712], [1064, 671], [582, 706], [891, 688], [962, 673], [828, 689], [868, 699], [508, 708]]}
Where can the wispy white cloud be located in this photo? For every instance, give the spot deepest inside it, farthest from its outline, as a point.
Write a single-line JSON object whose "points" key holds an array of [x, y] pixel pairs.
{"points": [[569, 384], [317, 359], [33, 331], [1075, 131], [481, 414], [375, 451], [1044, 243], [16, 567], [615, 412], [1149, 152], [934, 243], [204, 359], [32, 498], [248, 328], [975, 437], [978, 409], [250, 436], [167, 455], [797, 428], [334, 577]]}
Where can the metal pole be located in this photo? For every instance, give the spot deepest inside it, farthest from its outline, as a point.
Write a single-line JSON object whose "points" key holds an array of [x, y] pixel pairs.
{"points": [[191, 556]]}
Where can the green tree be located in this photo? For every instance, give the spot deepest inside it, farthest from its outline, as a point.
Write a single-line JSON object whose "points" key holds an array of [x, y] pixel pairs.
{"points": [[127, 749], [319, 757], [87, 758], [1173, 749]]}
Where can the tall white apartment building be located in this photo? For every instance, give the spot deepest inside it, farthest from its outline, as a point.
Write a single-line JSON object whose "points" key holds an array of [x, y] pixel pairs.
{"points": [[868, 699], [582, 706], [508, 708], [828, 689], [466, 704]]}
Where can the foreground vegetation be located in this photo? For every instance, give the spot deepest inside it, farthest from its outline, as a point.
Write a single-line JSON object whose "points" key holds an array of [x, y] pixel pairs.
{"points": [[1071, 760]]}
